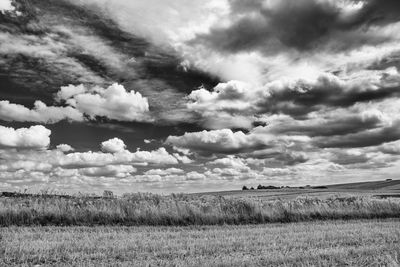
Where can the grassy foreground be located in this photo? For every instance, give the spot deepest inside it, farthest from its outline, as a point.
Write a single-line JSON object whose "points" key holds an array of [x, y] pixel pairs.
{"points": [[330, 243], [178, 210]]}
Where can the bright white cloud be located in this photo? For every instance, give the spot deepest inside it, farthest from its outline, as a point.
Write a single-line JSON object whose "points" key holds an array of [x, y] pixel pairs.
{"points": [[217, 141], [113, 145], [223, 173], [195, 176], [26, 165], [5, 5], [65, 148], [114, 102], [125, 157], [40, 113], [67, 92], [238, 105], [182, 158], [231, 95], [159, 156], [35, 137], [231, 161], [119, 171], [162, 22]]}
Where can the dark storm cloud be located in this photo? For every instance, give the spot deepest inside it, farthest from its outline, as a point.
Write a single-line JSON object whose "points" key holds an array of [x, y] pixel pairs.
{"points": [[378, 12], [391, 148], [305, 98], [368, 138], [281, 158], [40, 60], [302, 25], [363, 158], [345, 158], [348, 124]]}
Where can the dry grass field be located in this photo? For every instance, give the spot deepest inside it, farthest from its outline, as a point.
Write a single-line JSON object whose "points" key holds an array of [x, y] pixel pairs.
{"points": [[357, 225], [179, 210], [329, 243]]}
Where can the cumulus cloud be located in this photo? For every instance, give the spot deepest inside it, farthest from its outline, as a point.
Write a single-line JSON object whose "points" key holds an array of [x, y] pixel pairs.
{"points": [[124, 157], [259, 143], [114, 102], [119, 171], [65, 148], [159, 156], [69, 91], [5, 5], [67, 168], [182, 158], [232, 162], [233, 95], [113, 145], [294, 97], [26, 165], [34, 137], [195, 176], [40, 113], [223, 141], [228, 174]]}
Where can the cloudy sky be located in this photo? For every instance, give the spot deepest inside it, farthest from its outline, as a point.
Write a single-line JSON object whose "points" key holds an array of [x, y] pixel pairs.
{"points": [[185, 96]]}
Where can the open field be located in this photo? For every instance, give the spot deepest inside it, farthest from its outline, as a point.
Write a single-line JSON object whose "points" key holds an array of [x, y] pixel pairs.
{"points": [[367, 189], [330, 243], [285, 227]]}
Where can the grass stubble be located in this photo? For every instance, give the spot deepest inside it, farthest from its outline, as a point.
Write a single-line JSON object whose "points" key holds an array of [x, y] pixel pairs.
{"points": [[329, 243]]}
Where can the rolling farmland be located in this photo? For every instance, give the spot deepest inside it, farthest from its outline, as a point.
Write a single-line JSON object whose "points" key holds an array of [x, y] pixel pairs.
{"points": [[354, 225]]}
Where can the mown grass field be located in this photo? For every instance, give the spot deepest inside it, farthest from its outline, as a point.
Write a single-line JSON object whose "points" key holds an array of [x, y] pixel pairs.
{"points": [[329, 243]]}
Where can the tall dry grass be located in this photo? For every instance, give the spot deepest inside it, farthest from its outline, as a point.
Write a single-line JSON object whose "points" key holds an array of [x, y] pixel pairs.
{"points": [[151, 209]]}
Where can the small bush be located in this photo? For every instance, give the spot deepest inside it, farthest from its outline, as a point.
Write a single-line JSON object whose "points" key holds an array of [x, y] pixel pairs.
{"points": [[260, 187], [108, 194]]}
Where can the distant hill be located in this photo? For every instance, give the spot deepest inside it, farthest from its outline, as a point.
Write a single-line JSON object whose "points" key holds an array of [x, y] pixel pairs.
{"points": [[375, 185]]}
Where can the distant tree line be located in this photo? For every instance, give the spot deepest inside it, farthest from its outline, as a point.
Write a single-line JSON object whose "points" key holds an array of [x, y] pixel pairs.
{"points": [[261, 187], [271, 187]]}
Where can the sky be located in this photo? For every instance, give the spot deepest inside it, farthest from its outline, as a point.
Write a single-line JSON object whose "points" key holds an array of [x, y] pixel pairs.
{"points": [[190, 96]]}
